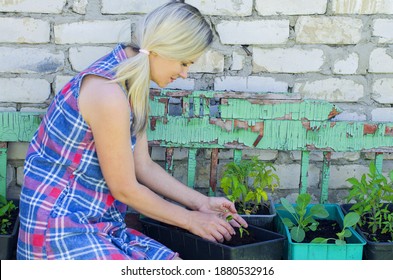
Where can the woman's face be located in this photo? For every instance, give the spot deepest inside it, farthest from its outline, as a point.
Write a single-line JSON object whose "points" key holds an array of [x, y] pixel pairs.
{"points": [[164, 71]]}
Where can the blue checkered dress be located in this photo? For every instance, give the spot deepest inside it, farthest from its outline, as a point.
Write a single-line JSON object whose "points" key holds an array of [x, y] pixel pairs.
{"points": [[66, 208]]}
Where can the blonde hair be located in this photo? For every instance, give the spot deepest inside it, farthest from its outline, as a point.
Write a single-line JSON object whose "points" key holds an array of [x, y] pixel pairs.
{"points": [[175, 31]]}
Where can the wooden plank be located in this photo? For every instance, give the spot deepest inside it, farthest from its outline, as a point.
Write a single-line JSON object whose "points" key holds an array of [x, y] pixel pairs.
{"points": [[379, 161], [305, 161], [192, 163], [3, 169], [169, 160], [286, 135], [213, 170], [325, 177], [237, 155], [17, 126]]}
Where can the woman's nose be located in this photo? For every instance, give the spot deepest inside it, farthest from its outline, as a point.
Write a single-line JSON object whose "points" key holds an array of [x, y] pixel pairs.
{"points": [[184, 74]]}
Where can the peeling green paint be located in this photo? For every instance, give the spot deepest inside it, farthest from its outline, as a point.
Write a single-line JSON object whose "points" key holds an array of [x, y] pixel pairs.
{"points": [[3, 171], [305, 161], [16, 126], [245, 109], [244, 121], [277, 135], [191, 167]]}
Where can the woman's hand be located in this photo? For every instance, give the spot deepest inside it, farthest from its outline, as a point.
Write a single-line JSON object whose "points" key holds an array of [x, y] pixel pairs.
{"points": [[210, 226], [222, 208]]}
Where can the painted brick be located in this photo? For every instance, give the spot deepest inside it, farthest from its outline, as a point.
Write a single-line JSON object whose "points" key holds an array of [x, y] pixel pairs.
{"points": [[223, 7], [10, 174], [158, 153], [350, 116], [332, 89], [17, 150], [362, 6], [82, 57], [210, 62], [24, 30], [19, 175], [93, 32], [130, 6], [382, 91], [250, 84], [339, 175], [382, 29], [328, 30], [238, 60], [266, 155], [318, 156], [33, 6], [33, 110], [7, 109], [382, 115], [30, 60], [24, 90], [381, 61], [290, 7], [291, 60], [80, 6], [186, 84], [348, 65], [243, 32]]}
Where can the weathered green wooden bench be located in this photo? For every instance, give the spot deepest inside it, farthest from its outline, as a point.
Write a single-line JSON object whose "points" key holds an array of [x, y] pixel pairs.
{"points": [[237, 121]]}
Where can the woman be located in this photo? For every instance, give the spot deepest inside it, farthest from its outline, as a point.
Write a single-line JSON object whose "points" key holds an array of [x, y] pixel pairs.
{"points": [[89, 157]]}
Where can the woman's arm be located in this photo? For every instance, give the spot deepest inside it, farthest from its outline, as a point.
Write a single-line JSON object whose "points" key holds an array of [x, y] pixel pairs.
{"points": [[157, 179], [105, 108]]}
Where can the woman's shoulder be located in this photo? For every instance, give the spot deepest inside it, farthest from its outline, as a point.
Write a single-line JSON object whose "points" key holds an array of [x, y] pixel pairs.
{"points": [[101, 96]]}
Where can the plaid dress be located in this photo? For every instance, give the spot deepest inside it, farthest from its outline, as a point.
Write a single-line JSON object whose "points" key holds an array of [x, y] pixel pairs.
{"points": [[66, 208]]}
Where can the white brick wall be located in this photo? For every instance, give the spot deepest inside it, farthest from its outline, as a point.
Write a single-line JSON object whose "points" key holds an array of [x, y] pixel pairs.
{"points": [[382, 29], [24, 90], [381, 61], [210, 62], [30, 60], [362, 6], [250, 84], [88, 32], [328, 30], [382, 90], [333, 89], [253, 32], [290, 7], [382, 115], [346, 66], [291, 60], [82, 57], [130, 6], [33, 6], [224, 7], [24, 30]]}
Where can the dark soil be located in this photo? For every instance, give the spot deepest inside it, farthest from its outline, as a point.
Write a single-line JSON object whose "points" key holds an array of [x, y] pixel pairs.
{"points": [[263, 209], [236, 240], [326, 229], [378, 236]]}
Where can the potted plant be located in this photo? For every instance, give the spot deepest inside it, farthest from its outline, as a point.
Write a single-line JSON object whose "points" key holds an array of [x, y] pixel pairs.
{"points": [[9, 225], [247, 183], [373, 201], [318, 231], [253, 243]]}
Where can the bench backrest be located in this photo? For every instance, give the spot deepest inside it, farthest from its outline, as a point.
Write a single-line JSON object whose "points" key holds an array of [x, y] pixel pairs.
{"points": [[238, 121]]}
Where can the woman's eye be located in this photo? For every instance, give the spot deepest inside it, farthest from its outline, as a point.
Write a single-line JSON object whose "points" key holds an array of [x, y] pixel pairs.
{"points": [[184, 64]]}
